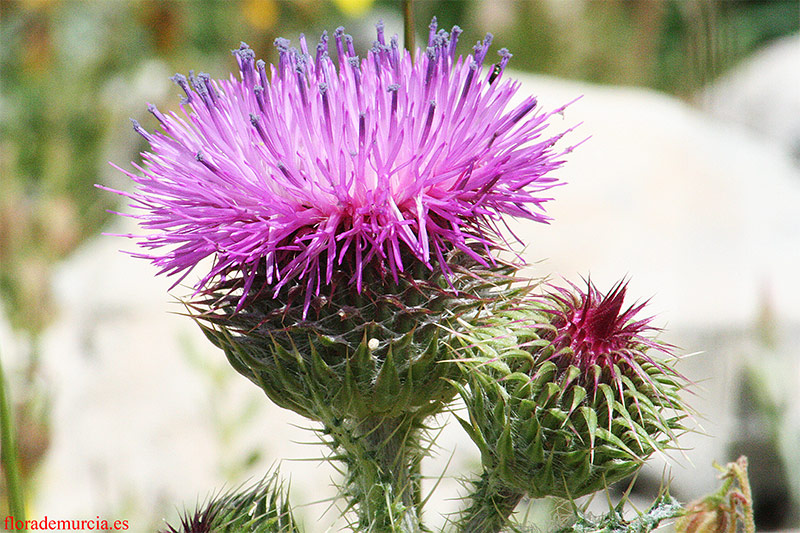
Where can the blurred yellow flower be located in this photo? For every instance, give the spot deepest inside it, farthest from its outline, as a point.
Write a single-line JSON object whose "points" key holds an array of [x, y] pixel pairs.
{"points": [[37, 4], [261, 14], [354, 8]]}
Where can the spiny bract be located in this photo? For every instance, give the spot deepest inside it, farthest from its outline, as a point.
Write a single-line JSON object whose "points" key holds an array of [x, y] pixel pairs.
{"points": [[568, 399], [383, 352]]}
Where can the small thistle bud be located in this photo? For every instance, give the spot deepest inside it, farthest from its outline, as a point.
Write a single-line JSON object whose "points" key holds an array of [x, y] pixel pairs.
{"points": [[578, 402], [261, 508], [730, 508], [704, 517]]}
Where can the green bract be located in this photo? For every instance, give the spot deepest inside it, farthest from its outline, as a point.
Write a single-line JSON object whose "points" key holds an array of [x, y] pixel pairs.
{"points": [[548, 424], [356, 355]]}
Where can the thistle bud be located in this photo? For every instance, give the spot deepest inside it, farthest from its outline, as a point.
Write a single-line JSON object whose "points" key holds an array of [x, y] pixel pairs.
{"points": [[261, 508], [578, 402], [724, 510], [705, 517]]}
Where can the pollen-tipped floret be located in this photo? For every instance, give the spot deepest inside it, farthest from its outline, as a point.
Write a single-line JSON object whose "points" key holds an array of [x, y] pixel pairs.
{"points": [[316, 165]]}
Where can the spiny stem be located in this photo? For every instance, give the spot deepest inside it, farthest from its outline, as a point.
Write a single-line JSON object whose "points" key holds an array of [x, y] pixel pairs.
{"points": [[492, 505], [381, 456], [8, 455], [408, 25]]}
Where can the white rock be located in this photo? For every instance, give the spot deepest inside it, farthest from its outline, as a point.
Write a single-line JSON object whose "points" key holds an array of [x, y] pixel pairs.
{"points": [[700, 215], [763, 93]]}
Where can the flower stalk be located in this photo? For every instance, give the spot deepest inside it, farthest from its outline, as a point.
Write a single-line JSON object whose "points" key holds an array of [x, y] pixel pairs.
{"points": [[382, 458], [491, 506]]}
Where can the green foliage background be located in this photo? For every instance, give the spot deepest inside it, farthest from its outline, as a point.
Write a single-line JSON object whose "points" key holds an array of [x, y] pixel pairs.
{"points": [[67, 68]]}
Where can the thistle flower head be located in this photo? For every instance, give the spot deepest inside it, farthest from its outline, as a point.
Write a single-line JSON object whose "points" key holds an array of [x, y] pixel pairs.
{"points": [[317, 164], [591, 330], [572, 395]]}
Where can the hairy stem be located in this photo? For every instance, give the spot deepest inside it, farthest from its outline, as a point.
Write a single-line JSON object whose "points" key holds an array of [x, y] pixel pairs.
{"points": [[490, 508], [381, 456]]}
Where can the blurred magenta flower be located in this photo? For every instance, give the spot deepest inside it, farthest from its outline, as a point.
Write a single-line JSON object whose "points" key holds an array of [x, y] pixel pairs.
{"points": [[343, 163]]}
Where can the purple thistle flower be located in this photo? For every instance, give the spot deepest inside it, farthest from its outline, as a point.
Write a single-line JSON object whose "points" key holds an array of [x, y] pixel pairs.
{"points": [[591, 331], [379, 162]]}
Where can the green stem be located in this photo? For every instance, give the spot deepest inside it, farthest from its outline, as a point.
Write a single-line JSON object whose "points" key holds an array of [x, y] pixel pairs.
{"points": [[8, 455], [491, 507], [408, 26], [381, 456]]}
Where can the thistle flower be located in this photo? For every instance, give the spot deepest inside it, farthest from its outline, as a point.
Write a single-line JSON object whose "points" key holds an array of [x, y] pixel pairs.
{"points": [[590, 331], [315, 165], [579, 402]]}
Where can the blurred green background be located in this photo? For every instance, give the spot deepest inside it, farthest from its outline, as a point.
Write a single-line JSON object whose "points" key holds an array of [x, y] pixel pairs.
{"points": [[73, 72]]}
